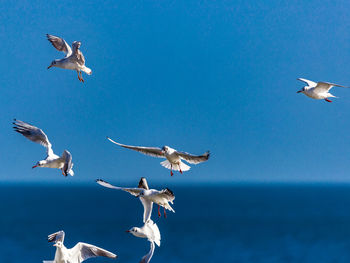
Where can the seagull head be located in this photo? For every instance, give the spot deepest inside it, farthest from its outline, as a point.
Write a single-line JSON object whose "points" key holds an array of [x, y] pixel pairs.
{"points": [[39, 164], [58, 244], [302, 90], [165, 148], [135, 231], [53, 64]]}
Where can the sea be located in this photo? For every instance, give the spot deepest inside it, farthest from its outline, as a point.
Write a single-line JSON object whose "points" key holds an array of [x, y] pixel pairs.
{"points": [[229, 223]]}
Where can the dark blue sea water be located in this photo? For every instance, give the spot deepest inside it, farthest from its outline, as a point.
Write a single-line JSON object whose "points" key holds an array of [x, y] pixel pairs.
{"points": [[247, 223]]}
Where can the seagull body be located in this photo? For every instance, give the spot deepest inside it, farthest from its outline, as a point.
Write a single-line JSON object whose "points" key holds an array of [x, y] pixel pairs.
{"points": [[74, 58], [147, 197], [77, 254], [150, 231], [319, 90], [173, 157], [52, 160]]}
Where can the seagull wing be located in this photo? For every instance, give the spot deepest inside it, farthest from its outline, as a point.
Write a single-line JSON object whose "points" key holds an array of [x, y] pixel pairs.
{"points": [[147, 209], [194, 158], [60, 44], [152, 151], [68, 164], [82, 251], [143, 183], [153, 231], [167, 194], [34, 134], [326, 86], [58, 236], [308, 82], [147, 258], [133, 191]]}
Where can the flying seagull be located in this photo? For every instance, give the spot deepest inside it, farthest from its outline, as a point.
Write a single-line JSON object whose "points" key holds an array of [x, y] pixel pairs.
{"points": [[319, 90], [147, 197], [173, 157], [74, 58], [52, 160], [150, 231], [79, 253]]}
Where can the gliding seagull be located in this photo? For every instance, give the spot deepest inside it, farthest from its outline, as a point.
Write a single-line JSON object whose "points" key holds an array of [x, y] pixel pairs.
{"points": [[74, 59], [319, 90], [52, 160], [147, 197], [173, 156], [77, 254]]}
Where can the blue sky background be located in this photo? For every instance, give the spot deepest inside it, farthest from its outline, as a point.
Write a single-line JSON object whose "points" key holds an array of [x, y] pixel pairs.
{"points": [[194, 75]]}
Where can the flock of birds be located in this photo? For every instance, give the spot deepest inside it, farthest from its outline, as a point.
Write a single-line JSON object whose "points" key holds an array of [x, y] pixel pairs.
{"points": [[174, 161], [74, 60]]}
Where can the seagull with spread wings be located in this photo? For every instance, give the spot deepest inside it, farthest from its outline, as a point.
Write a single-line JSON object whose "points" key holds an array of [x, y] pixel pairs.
{"points": [[173, 157], [74, 58], [52, 160], [150, 231], [147, 197], [79, 253], [319, 90]]}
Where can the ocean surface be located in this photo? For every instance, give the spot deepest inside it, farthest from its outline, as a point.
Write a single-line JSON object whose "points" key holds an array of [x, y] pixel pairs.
{"points": [[245, 223]]}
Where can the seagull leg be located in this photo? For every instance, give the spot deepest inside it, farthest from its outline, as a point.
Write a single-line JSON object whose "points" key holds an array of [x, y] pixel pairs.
{"points": [[62, 172], [81, 77], [164, 212], [171, 170], [328, 100], [159, 211], [78, 75], [180, 171]]}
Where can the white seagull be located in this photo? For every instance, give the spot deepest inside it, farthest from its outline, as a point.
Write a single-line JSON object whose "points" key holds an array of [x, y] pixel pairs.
{"points": [[147, 197], [79, 253], [150, 231], [52, 160], [173, 157], [319, 90], [74, 58]]}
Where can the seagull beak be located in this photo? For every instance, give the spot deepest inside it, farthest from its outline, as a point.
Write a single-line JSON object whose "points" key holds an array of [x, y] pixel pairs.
{"points": [[299, 91], [55, 245], [34, 166], [49, 67], [127, 231]]}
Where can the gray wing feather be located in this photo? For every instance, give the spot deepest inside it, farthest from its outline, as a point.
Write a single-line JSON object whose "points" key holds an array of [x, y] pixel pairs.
{"points": [[58, 236], [133, 191], [308, 82], [143, 183], [33, 133], [147, 209], [68, 164], [82, 251], [326, 86], [147, 258], [152, 151], [60, 44], [194, 159]]}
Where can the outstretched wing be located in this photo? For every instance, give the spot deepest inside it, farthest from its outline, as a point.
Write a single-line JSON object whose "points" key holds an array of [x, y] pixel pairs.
{"points": [[147, 258], [167, 194], [34, 134], [308, 82], [194, 158], [133, 191], [60, 44], [326, 86], [152, 151], [147, 209], [68, 164], [154, 234], [55, 237], [82, 251], [143, 183]]}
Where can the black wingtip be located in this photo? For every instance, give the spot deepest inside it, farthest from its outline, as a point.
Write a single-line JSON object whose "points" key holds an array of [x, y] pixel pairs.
{"points": [[170, 192]]}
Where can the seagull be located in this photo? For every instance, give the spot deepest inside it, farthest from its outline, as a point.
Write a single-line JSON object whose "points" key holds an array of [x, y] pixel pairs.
{"points": [[147, 197], [52, 160], [79, 253], [74, 59], [150, 231], [319, 90], [173, 157]]}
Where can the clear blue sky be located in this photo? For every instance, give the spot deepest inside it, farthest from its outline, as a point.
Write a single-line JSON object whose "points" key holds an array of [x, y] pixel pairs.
{"points": [[194, 75]]}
